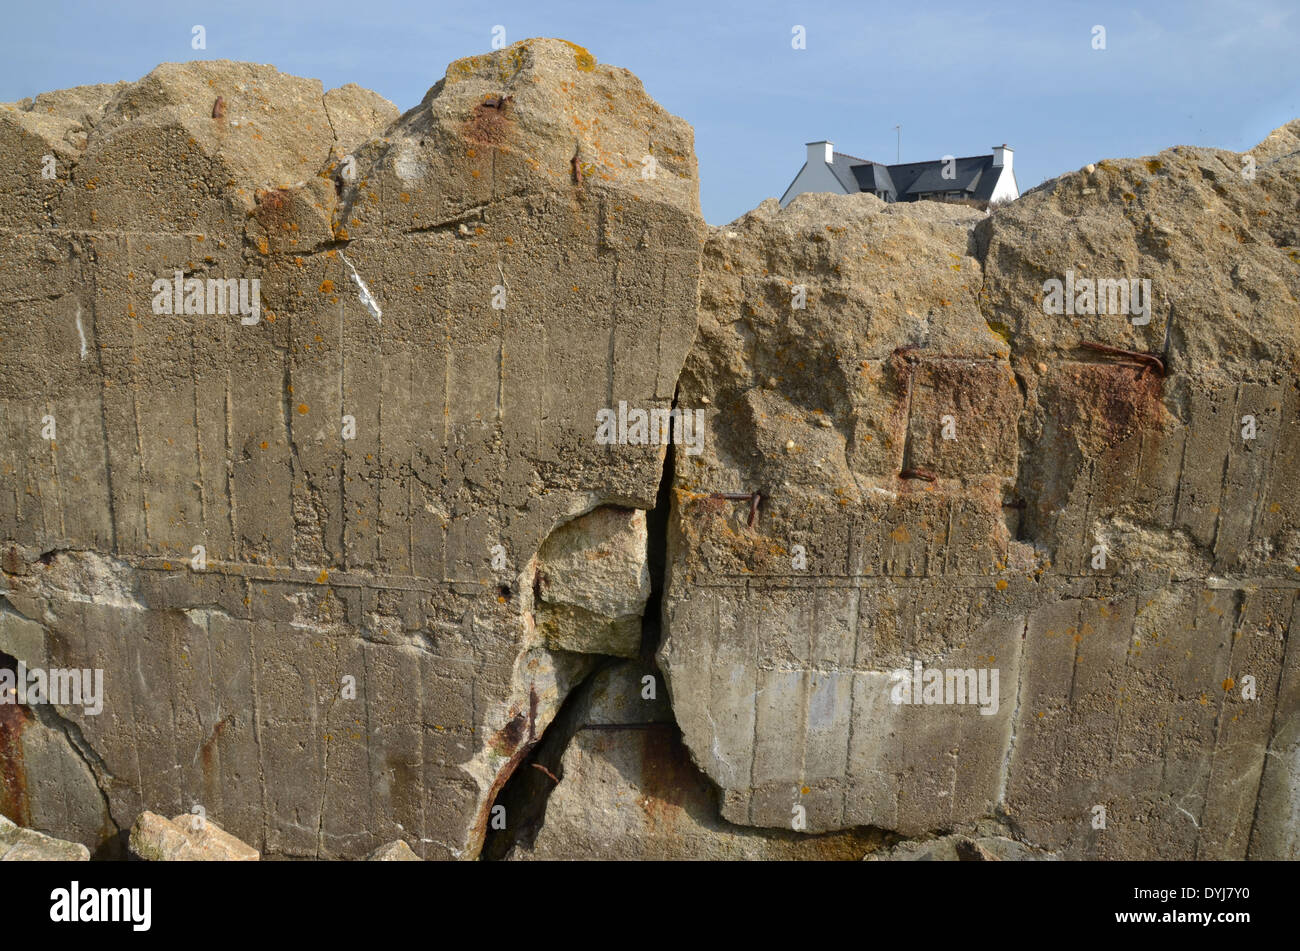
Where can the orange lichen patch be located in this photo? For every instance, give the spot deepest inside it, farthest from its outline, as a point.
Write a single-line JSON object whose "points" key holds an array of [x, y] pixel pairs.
{"points": [[404, 197], [901, 535], [302, 409], [326, 286], [322, 577], [1229, 684], [1001, 584], [264, 445]]}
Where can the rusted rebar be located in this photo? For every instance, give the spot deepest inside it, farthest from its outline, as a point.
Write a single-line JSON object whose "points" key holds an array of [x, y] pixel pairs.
{"points": [[1149, 360], [925, 474], [753, 498]]}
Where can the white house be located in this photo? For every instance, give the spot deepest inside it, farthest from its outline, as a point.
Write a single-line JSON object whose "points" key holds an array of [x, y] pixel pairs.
{"points": [[979, 177]]}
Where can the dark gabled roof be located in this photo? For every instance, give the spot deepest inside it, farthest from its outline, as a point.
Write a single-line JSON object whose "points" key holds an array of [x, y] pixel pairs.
{"points": [[842, 168], [873, 177], [916, 178], [984, 190]]}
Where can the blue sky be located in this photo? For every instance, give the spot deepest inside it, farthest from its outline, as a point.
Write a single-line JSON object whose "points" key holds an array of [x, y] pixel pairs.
{"points": [[958, 77]]}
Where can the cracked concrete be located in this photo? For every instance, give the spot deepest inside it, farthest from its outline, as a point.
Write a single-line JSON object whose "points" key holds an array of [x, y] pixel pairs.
{"points": [[357, 570], [350, 512], [951, 475]]}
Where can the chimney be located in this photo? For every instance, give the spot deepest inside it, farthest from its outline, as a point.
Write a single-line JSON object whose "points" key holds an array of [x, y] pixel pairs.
{"points": [[1002, 155], [820, 152]]}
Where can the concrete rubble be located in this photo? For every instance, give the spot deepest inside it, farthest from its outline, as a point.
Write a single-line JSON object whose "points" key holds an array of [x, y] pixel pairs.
{"points": [[397, 851], [358, 573], [26, 845], [186, 838]]}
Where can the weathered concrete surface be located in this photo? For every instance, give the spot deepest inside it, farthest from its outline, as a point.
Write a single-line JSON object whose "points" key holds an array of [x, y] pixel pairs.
{"points": [[413, 548], [357, 662], [186, 838], [1121, 686], [628, 790], [26, 845]]}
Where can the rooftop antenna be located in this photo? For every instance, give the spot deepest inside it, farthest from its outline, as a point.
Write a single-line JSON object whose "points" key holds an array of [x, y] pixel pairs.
{"points": [[898, 159]]}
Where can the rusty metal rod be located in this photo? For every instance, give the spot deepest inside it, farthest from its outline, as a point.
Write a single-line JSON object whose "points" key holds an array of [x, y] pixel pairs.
{"points": [[753, 498], [925, 474], [546, 771], [1149, 359]]}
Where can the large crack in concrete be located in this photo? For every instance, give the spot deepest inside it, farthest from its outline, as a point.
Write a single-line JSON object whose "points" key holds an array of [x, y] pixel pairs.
{"points": [[492, 269], [518, 813]]}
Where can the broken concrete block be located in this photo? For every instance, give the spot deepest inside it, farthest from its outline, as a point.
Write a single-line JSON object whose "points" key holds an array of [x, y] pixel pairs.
{"points": [[992, 515], [186, 838], [397, 851], [1092, 505], [961, 848], [628, 790], [356, 114], [27, 845], [357, 575], [592, 583]]}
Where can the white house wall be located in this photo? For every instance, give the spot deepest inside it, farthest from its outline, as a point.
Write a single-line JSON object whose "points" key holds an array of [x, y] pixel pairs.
{"points": [[1005, 189], [813, 177]]}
